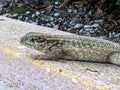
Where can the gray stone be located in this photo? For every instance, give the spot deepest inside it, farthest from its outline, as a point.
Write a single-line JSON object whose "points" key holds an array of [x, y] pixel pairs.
{"points": [[95, 25], [77, 25], [28, 12], [87, 26], [33, 15], [56, 14], [37, 13], [15, 15], [51, 18], [69, 10], [56, 2]]}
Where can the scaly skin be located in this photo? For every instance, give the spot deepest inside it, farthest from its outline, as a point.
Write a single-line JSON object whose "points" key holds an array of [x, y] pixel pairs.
{"points": [[72, 47]]}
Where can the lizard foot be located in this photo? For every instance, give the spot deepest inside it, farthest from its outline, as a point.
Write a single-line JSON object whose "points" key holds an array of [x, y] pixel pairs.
{"points": [[33, 55], [37, 56]]}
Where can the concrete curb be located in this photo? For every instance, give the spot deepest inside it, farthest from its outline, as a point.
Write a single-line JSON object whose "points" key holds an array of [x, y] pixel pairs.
{"points": [[21, 72]]}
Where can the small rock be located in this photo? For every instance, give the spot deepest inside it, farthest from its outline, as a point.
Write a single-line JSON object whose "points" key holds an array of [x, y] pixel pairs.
{"points": [[75, 11], [26, 19], [88, 29], [87, 26], [33, 15], [6, 14], [72, 22], [69, 10], [48, 24], [56, 27], [95, 25], [51, 18], [20, 5], [77, 26], [16, 1], [15, 15], [1, 6], [28, 12], [19, 17], [10, 16], [56, 14], [37, 13], [56, 2]]}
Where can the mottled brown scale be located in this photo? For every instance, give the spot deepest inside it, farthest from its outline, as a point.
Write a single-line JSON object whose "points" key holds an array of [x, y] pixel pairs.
{"points": [[73, 47]]}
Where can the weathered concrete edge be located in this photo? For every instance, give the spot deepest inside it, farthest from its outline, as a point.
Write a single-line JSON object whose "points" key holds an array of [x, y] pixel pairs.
{"points": [[54, 69]]}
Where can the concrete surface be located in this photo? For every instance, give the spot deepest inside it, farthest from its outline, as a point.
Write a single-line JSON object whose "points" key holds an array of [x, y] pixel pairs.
{"points": [[19, 72]]}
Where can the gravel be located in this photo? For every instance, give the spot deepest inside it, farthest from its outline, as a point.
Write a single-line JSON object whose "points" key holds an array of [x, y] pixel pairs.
{"points": [[62, 19]]}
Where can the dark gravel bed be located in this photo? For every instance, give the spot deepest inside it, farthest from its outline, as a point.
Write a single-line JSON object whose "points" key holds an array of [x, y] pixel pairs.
{"points": [[75, 20]]}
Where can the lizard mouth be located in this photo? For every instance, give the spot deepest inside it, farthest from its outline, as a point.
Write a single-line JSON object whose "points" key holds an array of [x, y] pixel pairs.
{"points": [[26, 43]]}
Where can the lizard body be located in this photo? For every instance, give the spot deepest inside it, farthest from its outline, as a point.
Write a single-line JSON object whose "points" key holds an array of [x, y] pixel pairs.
{"points": [[72, 47]]}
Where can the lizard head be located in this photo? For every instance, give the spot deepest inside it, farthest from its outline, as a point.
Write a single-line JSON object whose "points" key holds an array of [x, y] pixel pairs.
{"points": [[33, 40]]}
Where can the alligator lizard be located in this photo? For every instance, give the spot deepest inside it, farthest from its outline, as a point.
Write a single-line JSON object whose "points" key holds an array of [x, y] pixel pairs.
{"points": [[72, 47]]}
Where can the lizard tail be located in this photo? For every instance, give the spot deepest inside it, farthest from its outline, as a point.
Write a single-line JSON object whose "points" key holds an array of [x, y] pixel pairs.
{"points": [[115, 58]]}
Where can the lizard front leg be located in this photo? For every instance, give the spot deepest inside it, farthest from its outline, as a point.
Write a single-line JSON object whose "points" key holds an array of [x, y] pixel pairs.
{"points": [[53, 54], [115, 58]]}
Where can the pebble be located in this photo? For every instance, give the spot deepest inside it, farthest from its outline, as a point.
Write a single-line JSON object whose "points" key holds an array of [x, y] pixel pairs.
{"points": [[1, 6], [56, 14], [67, 17], [55, 26], [6, 14], [77, 25], [33, 15], [51, 18], [89, 29], [28, 12], [72, 22], [69, 10], [19, 17], [56, 2], [15, 15], [75, 11], [87, 26], [48, 24], [37, 13], [95, 25]]}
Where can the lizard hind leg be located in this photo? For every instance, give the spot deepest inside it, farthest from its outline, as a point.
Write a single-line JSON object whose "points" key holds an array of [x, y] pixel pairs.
{"points": [[115, 58], [53, 55]]}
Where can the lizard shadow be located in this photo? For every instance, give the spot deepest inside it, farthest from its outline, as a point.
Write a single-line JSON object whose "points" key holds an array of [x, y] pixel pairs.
{"points": [[80, 61]]}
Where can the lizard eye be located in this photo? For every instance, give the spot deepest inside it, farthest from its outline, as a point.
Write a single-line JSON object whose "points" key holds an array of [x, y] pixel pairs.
{"points": [[32, 40]]}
